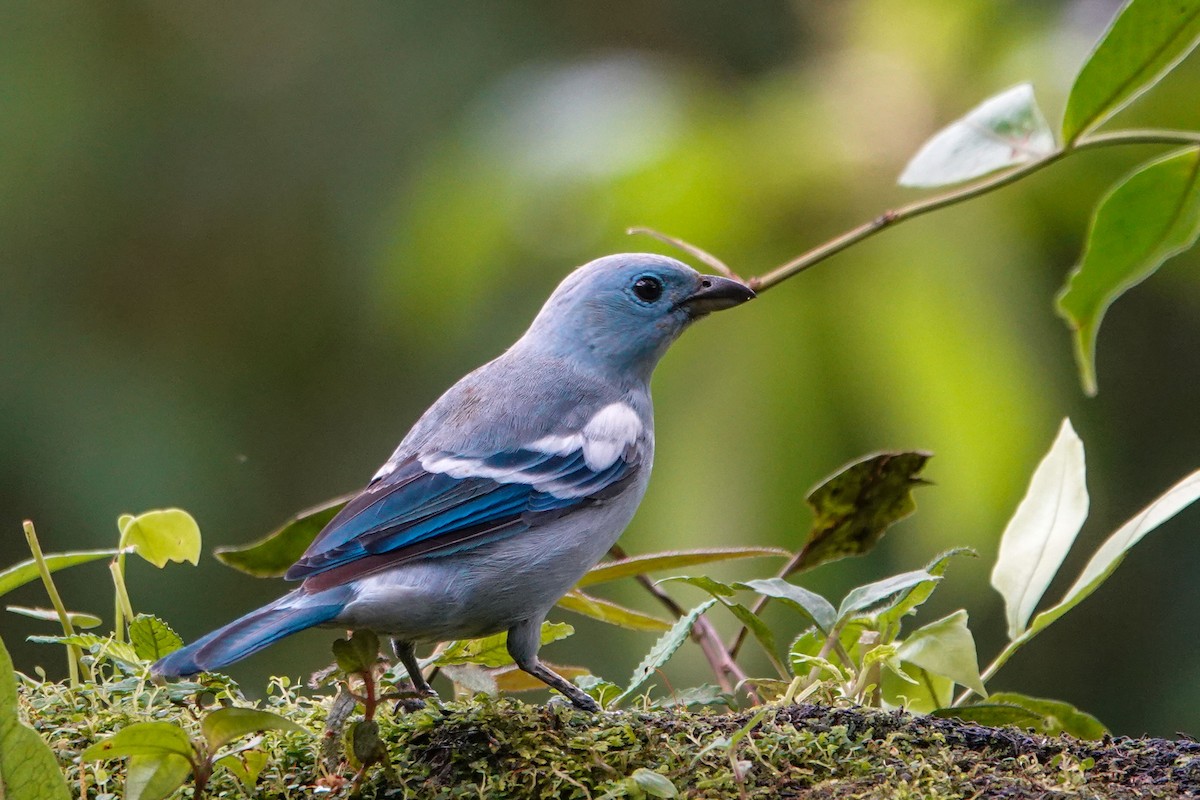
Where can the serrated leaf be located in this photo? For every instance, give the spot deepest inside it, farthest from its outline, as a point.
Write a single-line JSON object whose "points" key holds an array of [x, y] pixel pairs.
{"points": [[27, 571], [222, 726], [1147, 218], [156, 739], [673, 559], [706, 694], [152, 638], [359, 653], [155, 777], [611, 613], [1146, 39], [1112, 552], [945, 647], [163, 535], [1003, 131], [1042, 529], [492, 651], [816, 608], [853, 509], [78, 619], [864, 597], [663, 649], [101, 646], [1050, 717], [28, 768], [270, 556]]}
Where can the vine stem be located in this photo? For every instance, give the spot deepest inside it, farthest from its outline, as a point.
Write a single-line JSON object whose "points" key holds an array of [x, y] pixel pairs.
{"points": [[74, 653], [889, 218]]}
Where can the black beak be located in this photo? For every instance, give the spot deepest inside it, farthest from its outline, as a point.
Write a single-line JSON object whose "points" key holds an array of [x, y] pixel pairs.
{"points": [[716, 293]]}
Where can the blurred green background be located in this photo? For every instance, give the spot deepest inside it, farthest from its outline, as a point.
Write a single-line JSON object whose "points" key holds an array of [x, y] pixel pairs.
{"points": [[242, 247]]}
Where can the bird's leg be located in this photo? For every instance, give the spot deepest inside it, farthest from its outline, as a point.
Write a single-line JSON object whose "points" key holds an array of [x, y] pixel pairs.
{"points": [[408, 657], [524, 639]]}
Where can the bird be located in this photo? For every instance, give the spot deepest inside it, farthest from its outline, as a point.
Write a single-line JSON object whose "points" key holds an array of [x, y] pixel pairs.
{"points": [[514, 483]]}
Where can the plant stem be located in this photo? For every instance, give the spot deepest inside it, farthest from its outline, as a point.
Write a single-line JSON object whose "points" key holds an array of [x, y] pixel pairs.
{"points": [[74, 654], [124, 610], [888, 218]]}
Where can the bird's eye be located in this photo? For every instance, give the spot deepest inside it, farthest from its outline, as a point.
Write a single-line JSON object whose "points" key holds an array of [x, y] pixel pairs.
{"points": [[647, 288]]}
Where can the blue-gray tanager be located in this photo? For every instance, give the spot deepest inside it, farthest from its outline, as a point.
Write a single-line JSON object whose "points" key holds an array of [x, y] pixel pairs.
{"points": [[507, 490]]}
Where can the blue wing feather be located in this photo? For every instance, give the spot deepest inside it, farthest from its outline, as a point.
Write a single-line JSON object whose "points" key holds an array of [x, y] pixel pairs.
{"points": [[413, 513]]}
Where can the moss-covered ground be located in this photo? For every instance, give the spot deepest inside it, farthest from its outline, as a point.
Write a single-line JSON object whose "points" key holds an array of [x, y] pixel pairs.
{"points": [[507, 748]]}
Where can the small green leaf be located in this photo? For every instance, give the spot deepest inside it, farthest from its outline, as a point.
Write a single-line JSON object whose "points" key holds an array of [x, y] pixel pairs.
{"points": [[152, 638], [706, 694], [492, 651], [611, 613], [816, 608], [359, 653], [155, 777], [653, 783], [1003, 131], [928, 692], [78, 619], [854, 508], [674, 559], [165, 535], [908, 600], [711, 585], [603, 692], [864, 597], [663, 649], [1149, 217], [1052, 716], [100, 646], [222, 726], [157, 739], [1042, 529], [20, 574], [270, 556], [1144, 42], [246, 766], [28, 768], [1112, 552], [994, 715], [947, 648]]}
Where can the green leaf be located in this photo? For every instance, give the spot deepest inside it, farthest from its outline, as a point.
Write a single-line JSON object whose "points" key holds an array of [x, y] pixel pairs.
{"points": [[28, 768], [270, 556], [222, 726], [1112, 552], [359, 653], [246, 766], [1052, 716], [78, 619], [1144, 42], [753, 622], [654, 784], [663, 649], [1005, 130], [907, 601], [156, 739], [864, 597], [100, 646], [674, 559], [816, 608], [155, 777], [994, 715], [164, 535], [152, 638], [854, 508], [927, 692], [27, 571], [1151, 216], [947, 648], [1042, 529], [611, 613], [492, 651], [706, 694]]}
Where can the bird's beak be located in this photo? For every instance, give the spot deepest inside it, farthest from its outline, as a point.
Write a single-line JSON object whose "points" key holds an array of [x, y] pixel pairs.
{"points": [[716, 293]]}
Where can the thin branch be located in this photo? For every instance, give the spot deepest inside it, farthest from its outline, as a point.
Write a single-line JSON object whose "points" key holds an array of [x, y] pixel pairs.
{"points": [[687, 247]]}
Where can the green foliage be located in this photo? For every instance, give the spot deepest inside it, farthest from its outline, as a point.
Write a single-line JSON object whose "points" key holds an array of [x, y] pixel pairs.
{"points": [[1144, 42], [28, 770], [270, 556], [162, 536], [1144, 220], [662, 651], [1047, 716], [27, 571], [657, 562]]}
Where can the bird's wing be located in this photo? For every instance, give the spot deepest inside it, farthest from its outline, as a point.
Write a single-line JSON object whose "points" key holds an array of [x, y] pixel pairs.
{"points": [[439, 503]]}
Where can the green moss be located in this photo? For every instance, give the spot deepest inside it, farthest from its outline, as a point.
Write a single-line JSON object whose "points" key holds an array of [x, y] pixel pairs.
{"points": [[506, 748]]}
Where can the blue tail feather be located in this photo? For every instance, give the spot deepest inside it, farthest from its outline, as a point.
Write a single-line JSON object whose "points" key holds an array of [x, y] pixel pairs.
{"points": [[247, 635]]}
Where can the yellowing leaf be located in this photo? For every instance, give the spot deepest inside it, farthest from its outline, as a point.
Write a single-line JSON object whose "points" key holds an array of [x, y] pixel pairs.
{"points": [[164, 535]]}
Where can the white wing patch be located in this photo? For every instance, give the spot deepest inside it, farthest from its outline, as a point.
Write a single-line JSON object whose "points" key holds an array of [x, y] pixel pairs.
{"points": [[603, 440]]}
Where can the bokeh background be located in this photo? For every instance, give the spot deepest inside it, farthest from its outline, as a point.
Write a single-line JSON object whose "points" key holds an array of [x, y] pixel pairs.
{"points": [[242, 247]]}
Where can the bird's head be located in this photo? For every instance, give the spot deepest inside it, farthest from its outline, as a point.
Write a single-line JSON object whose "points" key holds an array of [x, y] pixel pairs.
{"points": [[618, 314]]}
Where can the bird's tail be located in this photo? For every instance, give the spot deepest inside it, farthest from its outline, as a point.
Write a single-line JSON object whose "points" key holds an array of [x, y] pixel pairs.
{"points": [[247, 635]]}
